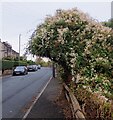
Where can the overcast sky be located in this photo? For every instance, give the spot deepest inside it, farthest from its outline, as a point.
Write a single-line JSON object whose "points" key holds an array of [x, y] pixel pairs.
{"points": [[23, 17]]}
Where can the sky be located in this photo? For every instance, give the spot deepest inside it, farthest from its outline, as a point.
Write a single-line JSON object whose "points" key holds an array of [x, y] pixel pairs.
{"points": [[23, 17]]}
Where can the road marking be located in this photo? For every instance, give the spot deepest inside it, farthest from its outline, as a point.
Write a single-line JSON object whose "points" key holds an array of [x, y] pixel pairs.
{"points": [[26, 114]]}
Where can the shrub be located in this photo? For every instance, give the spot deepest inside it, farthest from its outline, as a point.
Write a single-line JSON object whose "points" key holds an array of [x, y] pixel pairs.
{"points": [[82, 46], [7, 64]]}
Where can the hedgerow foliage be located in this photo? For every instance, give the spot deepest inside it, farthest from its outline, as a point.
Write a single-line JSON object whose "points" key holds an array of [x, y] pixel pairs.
{"points": [[81, 45]]}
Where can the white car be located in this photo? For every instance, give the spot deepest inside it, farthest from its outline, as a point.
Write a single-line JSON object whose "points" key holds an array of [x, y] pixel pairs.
{"points": [[39, 66]]}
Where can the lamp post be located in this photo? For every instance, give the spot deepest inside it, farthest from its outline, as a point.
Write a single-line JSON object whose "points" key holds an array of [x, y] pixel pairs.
{"points": [[53, 70], [19, 48]]}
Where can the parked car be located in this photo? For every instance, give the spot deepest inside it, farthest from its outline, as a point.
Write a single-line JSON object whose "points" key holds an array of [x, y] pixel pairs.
{"points": [[39, 66], [35, 67], [31, 68], [20, 70]]}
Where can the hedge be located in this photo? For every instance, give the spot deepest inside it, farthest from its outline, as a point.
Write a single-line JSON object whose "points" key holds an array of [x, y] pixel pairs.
{"points": [[0, 64], [6, 64]]}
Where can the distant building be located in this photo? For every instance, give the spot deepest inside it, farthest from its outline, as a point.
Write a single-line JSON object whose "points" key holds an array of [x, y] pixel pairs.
{"points": [[0, 49], [7, 51], [15, 54]]}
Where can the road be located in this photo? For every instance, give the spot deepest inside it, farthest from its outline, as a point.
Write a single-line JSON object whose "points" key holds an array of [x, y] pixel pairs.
{"points": [[19, 91]]}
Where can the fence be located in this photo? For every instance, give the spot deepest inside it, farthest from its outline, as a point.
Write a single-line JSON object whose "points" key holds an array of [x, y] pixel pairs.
{"points": [[75, 107]]}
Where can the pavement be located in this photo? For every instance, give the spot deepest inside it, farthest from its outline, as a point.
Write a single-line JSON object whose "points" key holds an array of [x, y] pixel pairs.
{"points": [[46, 107]]}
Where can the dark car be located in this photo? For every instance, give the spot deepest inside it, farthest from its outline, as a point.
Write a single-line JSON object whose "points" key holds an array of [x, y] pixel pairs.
{"points": [[20, 70], [31, 68]]}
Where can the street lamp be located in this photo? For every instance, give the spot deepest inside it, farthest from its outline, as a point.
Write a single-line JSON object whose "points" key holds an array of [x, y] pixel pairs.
{"points": [[53, 70], [19, 48]]}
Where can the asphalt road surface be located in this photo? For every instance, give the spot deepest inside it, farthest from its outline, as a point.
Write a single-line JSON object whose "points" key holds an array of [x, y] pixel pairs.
{"points": [[19, 91]]}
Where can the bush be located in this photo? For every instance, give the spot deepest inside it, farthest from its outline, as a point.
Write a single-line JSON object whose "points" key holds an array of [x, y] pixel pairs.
{"points": [[0, 64], [30, 62], [8, 65], [82, 46], [94, 105]]}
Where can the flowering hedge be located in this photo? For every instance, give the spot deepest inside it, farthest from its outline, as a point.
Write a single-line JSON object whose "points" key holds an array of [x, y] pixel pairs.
{"points": [[81, 46]]}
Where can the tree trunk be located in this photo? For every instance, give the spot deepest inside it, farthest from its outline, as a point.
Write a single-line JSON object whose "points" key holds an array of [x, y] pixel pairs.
{"points": [[68, 77]]}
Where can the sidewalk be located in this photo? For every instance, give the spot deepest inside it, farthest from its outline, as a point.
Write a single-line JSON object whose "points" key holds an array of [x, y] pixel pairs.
{"points": [[46, 106]]}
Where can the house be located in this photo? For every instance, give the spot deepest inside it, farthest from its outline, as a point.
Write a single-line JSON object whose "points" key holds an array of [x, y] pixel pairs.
{"points": [[7, 51], [15, 54], [0, 49]]}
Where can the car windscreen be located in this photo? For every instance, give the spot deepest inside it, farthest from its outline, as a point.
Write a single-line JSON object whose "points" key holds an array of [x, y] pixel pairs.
{"points": [[19, 68], [30, 66]]}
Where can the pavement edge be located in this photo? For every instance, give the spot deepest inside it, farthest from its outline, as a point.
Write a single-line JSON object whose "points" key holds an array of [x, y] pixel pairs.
{"points": [[28, 111]]}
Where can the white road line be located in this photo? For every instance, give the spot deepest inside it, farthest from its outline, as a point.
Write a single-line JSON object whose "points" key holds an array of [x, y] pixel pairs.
{"points": [[26, 114]]}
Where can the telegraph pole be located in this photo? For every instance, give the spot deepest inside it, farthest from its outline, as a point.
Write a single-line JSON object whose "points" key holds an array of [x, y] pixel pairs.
{"points": [[19, 48]]}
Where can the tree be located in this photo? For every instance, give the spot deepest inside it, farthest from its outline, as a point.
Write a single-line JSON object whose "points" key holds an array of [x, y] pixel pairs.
{"points": [[108, 23], [30, 62], [79, 44], [40, 61]]}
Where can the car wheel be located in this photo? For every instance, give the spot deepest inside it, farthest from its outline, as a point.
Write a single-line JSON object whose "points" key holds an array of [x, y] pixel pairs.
{"points": [[24, 73], [13, 74]]}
